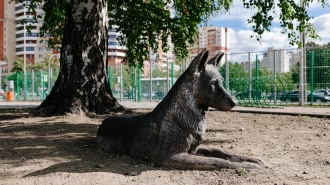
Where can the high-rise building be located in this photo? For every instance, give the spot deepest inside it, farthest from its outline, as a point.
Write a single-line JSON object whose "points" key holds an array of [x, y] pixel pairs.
{"points": [[16, 41], [7, 28], [276, 59], [116, 53], [29, 46], [215, 39]]}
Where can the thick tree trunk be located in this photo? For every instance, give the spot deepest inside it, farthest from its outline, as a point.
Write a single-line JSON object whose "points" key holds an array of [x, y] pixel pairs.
{"points": [[82, 85]]}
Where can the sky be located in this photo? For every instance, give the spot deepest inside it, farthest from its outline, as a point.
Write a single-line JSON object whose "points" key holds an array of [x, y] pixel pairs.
{"points": [[240, 30]]}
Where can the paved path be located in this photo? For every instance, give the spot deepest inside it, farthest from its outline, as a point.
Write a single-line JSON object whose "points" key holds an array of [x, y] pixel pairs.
{"points": [[289, 110]]}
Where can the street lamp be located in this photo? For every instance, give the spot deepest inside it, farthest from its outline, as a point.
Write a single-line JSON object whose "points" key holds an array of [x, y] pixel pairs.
{"points": [[50, 75]]}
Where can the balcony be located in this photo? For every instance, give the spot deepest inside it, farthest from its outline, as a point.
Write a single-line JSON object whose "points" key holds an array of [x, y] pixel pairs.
{"points": [[26, 53], [121, 54], [117, 47], [26, 45], [26, 38]]}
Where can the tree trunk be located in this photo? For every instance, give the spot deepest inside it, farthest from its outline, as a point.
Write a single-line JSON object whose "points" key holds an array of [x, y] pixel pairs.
{"points": [[82, 85]]}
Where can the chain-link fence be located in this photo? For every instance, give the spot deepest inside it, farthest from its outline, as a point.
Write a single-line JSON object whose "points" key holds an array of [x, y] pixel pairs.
{"points": [[150, 83], [272, 77], [262, 79], [38, 84]]}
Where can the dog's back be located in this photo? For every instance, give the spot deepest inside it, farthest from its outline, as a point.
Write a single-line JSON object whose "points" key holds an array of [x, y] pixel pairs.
{"points": [[115, 133], [135, 135]]}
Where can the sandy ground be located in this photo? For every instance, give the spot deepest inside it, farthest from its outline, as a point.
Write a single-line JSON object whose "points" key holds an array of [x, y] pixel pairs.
{"points": [[62, 150]]}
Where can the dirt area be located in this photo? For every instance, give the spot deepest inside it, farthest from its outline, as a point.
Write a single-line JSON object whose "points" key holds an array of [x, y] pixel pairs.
{"points": [[62, 150]]}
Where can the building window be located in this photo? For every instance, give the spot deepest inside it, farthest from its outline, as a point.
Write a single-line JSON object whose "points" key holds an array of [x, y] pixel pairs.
{"points": [[31, 34], [112, 37], [29, 48], [30, 56], [112, 43], [47, 49], [40, 49], [40, 56], [112, 57]]}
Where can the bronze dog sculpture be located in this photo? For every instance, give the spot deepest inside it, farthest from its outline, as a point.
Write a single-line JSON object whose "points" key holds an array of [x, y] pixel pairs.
{"points": [[170, 135]]}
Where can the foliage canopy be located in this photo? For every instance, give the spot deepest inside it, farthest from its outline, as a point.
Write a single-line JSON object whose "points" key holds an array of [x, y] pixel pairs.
{"points": [[145, 23]]}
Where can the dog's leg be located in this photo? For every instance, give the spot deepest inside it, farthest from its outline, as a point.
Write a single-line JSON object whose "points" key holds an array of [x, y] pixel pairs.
{"points": [[223, 154], [188, 161]]}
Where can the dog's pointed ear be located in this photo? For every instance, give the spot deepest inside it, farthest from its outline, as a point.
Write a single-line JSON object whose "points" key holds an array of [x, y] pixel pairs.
{"points": [[216, 60], [199, 61]]}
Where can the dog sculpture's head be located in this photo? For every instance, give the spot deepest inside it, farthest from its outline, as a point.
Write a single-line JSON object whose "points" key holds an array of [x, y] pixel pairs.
{"points": [[208, 89]]}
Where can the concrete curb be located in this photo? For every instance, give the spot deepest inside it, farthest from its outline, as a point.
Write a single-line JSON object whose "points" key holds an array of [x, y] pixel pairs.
{"points": [[323, 112]]}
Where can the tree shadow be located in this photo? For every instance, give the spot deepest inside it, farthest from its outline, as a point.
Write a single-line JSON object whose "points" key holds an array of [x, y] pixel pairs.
{"points": [[11, 114], [71, 147]]}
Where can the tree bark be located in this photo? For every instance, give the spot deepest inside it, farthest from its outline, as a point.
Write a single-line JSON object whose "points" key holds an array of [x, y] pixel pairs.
{"points": [[83, 84]]}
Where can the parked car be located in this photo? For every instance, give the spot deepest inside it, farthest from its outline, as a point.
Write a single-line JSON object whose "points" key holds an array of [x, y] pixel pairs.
{"points": [[245, 95], [293, 96], [319, 96], [279, 96]]}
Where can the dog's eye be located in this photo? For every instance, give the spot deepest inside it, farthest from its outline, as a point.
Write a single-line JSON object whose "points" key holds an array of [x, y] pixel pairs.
{"points": [[215, 82]]}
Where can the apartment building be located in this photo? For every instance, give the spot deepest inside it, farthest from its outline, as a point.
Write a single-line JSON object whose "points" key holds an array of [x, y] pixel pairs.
{"points": [[28, 45], [215, 39], [276, 59], [116, 53], [16, 42], [7, 28]]}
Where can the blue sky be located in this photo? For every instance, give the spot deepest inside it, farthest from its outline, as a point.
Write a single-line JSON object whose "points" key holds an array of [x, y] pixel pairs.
{"points": [[240, 30]]}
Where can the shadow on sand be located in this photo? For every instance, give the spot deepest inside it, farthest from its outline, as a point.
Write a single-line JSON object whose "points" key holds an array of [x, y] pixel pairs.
{"points": [[68, 146]]}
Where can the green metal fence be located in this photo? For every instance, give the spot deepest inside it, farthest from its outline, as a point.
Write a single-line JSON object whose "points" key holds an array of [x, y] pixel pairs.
{"points": [[137, 84], [260, 79], [38, 84], [271, 78]]}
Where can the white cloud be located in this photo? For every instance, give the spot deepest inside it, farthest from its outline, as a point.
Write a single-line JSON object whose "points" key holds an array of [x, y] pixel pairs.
{"points": [[241, 31], [322, 27], [242, 41], [314, 5]]}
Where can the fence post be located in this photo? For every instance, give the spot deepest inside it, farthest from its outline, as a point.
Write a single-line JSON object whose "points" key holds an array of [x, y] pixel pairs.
{"points": [[150, 79], [257, 79], [167, 76], [250, 75], [32, 81], [274, 70], [110, 76], [42, 84], [17, 89], [227, 72], [311, 54], [172, 77], [121, 81], [139, 84], [301, 76]]}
